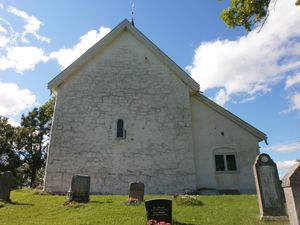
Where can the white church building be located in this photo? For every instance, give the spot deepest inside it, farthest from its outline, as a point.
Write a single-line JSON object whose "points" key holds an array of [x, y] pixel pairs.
{"points": [[125, 112]]}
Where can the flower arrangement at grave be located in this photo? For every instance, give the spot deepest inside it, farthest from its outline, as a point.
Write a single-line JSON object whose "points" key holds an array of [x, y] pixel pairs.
{"points": [[190, 200], [68, 202], [133, 200], [155, 222]]}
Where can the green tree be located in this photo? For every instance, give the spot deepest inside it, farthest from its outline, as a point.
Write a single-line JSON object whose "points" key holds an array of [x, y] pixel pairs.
{"points": [[9, 158], [32, 139], [245, 13]]}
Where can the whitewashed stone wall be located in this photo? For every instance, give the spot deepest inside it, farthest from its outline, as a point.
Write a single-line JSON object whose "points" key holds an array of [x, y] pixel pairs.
{"points": [[124, 81], [213, 133]]}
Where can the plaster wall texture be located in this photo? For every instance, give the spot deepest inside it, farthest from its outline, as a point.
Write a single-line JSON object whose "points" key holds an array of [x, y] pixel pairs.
{"points": [[208, 126], [125, 80]]}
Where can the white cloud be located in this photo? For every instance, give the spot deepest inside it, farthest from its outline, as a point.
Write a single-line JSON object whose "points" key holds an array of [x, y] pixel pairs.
{"points": [[7, 29], [222, 97], [1, 6], [17, 58], [14, 53], [284, 166], [32, 25], [15, 48], [3, 41], [2, 29], [292, 80], [66, 56], [294, 101], [251, 64], [14, 99], [284, 148]]}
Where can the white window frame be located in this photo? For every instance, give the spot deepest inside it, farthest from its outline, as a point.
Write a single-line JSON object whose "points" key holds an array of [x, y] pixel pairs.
{"points": [[225, 162]]}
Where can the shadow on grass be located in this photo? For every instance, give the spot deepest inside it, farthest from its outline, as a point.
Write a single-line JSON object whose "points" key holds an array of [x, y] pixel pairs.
{"points": [[102, 202], [21, 203], [75, 206], [175, 222]]}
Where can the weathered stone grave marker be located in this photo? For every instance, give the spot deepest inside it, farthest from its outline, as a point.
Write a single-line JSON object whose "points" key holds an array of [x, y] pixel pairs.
{"points": [[291, 187], [136, 192], [268, 187], [80, 188], [159, 210], [6, 181]]}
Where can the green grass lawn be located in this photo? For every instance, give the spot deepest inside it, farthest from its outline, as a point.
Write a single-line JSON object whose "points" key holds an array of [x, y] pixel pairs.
{"points": [[27, 208]]}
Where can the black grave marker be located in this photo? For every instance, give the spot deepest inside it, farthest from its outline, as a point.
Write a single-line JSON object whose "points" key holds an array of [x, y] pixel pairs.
{"points": [[80, 188], [6, 181], [136, 192], [159, 210]]}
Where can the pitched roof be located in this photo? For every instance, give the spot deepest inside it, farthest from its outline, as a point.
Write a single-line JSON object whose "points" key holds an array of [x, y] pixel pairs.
{"points": [[243, 124], [125, 25]]}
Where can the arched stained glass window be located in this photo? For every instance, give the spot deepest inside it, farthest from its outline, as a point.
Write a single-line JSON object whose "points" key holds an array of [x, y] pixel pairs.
{"points": [[120, 128]]}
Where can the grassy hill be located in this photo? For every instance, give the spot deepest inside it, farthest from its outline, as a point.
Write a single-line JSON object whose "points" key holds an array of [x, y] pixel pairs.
{"points": [[29, 208]]}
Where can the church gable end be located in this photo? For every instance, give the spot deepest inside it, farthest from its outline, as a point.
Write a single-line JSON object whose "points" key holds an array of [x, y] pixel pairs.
{"points": [[126, 80]]}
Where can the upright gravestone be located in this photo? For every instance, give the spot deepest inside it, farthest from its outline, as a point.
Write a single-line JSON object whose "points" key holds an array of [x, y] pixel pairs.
{"points": [[268, 187], [159, 210], [80, 188], [136, 192], [6, 181], [291, 187]]}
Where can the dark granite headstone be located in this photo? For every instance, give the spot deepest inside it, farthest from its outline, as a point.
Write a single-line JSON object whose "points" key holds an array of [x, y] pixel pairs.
{"points": [[6, 181], [136, 192], [268, 187], [159, 210], [80, 188], [291, 187]]}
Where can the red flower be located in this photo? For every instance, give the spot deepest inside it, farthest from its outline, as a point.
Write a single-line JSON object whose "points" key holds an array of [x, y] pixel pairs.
{"points": [[151, 222], [155, 222]]}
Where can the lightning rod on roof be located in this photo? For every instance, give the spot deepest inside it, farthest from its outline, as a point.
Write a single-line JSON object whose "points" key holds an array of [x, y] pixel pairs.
{"points": [[132, 13]]}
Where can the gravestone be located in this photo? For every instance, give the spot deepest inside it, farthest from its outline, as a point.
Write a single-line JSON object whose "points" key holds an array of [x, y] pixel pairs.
{"points": [[159, 210], [80, 188], [268, 187], [136, 192], [291, 187], [6, 181]]}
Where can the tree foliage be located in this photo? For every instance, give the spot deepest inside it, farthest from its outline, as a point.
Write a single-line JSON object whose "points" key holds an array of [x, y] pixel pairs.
{"points": [[245, 13], [24, 148], [9, 159], [32, 141]]}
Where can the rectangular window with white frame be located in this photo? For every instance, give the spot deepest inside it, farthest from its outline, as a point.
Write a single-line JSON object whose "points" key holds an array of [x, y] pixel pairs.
{"points": [[226, 162]]}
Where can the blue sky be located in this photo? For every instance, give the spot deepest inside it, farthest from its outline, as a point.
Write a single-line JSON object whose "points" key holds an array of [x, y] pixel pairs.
{"points": [[254, 75]]}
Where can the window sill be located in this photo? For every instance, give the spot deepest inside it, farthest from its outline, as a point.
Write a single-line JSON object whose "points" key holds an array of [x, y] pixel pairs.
{"points": [[227, 172]]}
